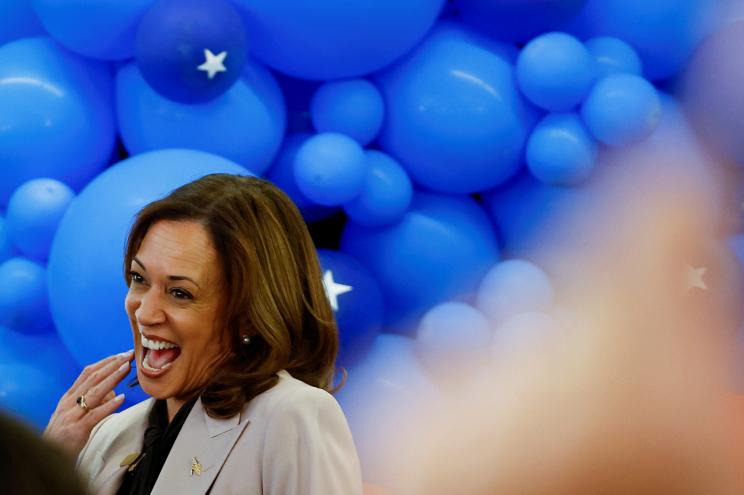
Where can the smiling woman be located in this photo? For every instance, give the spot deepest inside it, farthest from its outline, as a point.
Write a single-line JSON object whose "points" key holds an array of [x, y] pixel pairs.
{"points": [[235, 341]]}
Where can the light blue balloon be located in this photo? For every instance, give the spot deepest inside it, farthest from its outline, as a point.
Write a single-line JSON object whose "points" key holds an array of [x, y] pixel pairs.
{"points": [[332, 39], [386, 194], [34, 212], [521, 334], [560, 150], [452, 339], [86, 284], [56, 115], [612, 55], [514, 286], [353, 107], [454, 118], [555, 71], [437, 252], [18, 21], [103, 29], [330, 169], [622, 109], [24, 304], [245, 124], [281, 173]]}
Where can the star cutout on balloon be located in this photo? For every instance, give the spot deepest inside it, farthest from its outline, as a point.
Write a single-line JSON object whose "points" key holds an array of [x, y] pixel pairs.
{"points": [[694, 278], [213, 63], [334, 289]]}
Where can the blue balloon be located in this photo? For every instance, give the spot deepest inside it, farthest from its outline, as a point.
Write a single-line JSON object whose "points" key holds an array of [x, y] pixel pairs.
{"points": [[102, 29], [386, 194], [68, 132], [454, 117], [613, 55], [622, 109], [453, 339], [356, 301], [512, 287], [34, 212], [560, 150], [30, 392], [191, 51], [7, 249], [353, 107], [86, 286], [522, 333], [281, 173], [245, 124], [330, 169], [19, 21], [328, 39], [517, 20], [407, 258], [24, 304], [555, 71], [298, 93]]}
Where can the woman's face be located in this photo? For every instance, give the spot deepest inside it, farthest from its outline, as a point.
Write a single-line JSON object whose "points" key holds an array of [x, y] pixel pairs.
{"points": [[173, 303]]}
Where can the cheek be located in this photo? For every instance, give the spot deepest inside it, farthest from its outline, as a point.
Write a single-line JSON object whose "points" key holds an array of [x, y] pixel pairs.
{"points": [[130, 304]]}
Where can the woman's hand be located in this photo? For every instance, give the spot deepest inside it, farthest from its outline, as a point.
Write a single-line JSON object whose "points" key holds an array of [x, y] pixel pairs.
{"points": [[89, 400]]}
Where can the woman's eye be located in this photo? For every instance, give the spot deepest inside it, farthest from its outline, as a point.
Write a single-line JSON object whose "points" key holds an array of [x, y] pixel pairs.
{"points": [[136, 277], [181, 294]]}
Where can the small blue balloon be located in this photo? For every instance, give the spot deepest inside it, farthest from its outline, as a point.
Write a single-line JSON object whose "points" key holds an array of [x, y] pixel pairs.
{"points": [[101, 29], [34, 212], [514, 286], [30, 392], [245, 124], [24, 304], [408, 257], [281, 173], [19, 21], [560, 150], [454, 117], [622, 109], [386, 194], [86, 286], [353, 107], [452, 339], [330, 169], [56, 115], [613, 55], [191, 51], [356, 301], [555, 71]]}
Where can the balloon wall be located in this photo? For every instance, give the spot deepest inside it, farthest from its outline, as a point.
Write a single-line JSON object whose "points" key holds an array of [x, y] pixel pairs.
{"points": [[427, 143]]}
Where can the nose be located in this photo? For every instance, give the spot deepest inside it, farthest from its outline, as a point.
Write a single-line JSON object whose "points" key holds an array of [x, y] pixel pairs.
{"points": [[150, 311]]}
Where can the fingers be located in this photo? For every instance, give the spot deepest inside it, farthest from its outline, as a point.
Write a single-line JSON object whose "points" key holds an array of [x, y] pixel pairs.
{"points": [[97, 414], [96, 394], [96, 373]]}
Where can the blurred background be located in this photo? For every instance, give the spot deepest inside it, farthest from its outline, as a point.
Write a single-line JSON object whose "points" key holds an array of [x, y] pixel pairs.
{"points": [[528, 214]]}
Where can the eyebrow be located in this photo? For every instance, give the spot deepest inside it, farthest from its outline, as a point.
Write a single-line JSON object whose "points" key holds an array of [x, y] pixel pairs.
{"points": [[170, 277]]}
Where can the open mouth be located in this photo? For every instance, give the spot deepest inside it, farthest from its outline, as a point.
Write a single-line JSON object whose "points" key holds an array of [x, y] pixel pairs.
{"points": [[158, 355]]}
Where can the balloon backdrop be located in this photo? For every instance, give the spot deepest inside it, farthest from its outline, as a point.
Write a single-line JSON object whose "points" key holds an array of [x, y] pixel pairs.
{"points": [[24, 303], [19, 21], [7, 249], [68, 133], [353, 107], [514, 286], [522, 333], [612, 55]]}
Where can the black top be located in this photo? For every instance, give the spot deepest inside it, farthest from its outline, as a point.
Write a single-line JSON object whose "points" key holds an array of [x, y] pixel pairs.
{"points": [[159, 439]]}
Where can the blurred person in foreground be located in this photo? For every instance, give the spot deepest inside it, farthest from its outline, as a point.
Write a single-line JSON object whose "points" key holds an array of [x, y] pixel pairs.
{"points": [[235, 341]]}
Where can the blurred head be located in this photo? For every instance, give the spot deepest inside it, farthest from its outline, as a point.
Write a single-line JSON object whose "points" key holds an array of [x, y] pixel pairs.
{"points": [[220, 259]]}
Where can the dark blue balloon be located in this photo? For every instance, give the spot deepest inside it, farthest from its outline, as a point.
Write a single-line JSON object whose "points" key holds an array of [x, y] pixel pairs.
{"points": [[56, 115], [18, 21], [356, 301], [613, 55], [24, 304], [7, 249], [353, 107], [86, 285], [438, 251], [191, 51]]}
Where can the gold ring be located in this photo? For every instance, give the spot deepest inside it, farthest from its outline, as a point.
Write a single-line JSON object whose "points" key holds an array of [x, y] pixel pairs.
{"points": [[81, 402]]}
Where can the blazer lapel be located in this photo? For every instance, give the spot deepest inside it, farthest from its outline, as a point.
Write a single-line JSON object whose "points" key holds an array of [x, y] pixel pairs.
{"points": [[198, 454]]}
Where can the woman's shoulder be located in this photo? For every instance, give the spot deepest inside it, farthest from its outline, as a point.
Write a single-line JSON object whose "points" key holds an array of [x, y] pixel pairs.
{"points": [[291, 395]]}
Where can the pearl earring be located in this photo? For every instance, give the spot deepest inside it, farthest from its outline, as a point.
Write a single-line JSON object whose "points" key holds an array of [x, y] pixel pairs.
{"points": [[246, 339]]}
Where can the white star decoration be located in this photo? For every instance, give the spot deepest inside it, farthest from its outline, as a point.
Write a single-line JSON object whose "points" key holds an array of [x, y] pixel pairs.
{"points": [[694, 278], [333, 290], [213, 63]]}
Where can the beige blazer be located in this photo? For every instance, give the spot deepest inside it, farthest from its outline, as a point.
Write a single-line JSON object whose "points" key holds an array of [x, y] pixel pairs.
{"points": [[291, 440]]}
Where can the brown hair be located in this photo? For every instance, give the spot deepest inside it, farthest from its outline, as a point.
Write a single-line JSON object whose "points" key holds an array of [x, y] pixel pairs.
{"points": [[271, 281]]}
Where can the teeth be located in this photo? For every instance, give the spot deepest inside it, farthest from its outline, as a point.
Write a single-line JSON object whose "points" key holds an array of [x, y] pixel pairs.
{"points": [[155, 344], [146, 364]]}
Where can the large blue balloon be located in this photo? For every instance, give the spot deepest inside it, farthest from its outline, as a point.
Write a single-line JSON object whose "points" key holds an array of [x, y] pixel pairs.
{"points": [[245, 124], [103, 29], [356, 301], [353, 107], [191, 50], [454, 119], [18, 21], [438, 251], [517, 20], [56, 115], [86, 285], [24, 304], [331, 39]]}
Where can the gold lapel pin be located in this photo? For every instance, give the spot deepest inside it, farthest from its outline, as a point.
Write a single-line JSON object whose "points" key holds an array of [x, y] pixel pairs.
{"points": [[132, 460], [196, 468]]}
